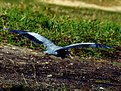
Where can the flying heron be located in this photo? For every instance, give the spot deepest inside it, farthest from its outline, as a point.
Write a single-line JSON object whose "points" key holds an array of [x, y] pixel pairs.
{"points": [[51, 48]]}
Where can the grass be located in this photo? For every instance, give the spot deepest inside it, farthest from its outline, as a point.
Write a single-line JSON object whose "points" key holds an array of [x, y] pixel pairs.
{"points": [[16, 1], [62, 25]]}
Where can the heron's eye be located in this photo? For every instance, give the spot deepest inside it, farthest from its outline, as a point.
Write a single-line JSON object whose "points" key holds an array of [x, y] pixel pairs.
{"points": [[56, 53]]}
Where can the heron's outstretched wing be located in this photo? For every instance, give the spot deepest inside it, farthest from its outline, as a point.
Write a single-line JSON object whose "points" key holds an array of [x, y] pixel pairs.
{"points": [[85, 45], [33, 37]]}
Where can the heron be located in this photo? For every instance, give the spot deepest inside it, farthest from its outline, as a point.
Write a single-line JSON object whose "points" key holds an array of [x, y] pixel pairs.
{"points": [[50, 47]]}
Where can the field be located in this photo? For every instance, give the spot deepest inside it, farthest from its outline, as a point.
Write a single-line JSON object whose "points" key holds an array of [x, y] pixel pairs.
{"points": [[104, 2], [64, 25]]}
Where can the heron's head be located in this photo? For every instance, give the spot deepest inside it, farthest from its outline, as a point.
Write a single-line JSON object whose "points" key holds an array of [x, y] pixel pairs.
{"points": [[62, 53], [59, 53]]}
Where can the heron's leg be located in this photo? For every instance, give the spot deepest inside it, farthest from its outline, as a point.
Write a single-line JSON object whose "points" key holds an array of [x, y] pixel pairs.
{"points": [[70, 55]]}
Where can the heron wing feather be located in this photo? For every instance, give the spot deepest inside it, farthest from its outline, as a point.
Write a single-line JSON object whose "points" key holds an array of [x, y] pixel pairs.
{"points": [[85, 45], [33, 37]]}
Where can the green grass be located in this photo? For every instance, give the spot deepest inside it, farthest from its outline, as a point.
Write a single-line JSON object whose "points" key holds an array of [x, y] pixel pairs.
{"points": [[16, 1], [62, 25]]}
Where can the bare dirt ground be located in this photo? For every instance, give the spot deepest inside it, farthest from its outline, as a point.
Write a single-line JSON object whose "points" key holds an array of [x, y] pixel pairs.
{"points": [[81, 4], [43, 72]]}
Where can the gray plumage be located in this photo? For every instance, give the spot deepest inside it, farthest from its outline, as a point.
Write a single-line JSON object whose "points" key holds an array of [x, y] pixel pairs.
{"points": [[51, 48]]}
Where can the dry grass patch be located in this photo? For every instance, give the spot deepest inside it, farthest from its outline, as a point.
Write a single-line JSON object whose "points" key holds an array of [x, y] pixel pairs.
{"points": [[103, 2]]}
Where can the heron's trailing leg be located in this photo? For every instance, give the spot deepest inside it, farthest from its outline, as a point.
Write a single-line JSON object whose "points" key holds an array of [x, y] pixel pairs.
{"points": [[70, 55]]}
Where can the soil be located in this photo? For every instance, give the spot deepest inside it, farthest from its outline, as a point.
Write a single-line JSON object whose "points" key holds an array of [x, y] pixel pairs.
{"points": [[37, 71], [81, 4]]}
